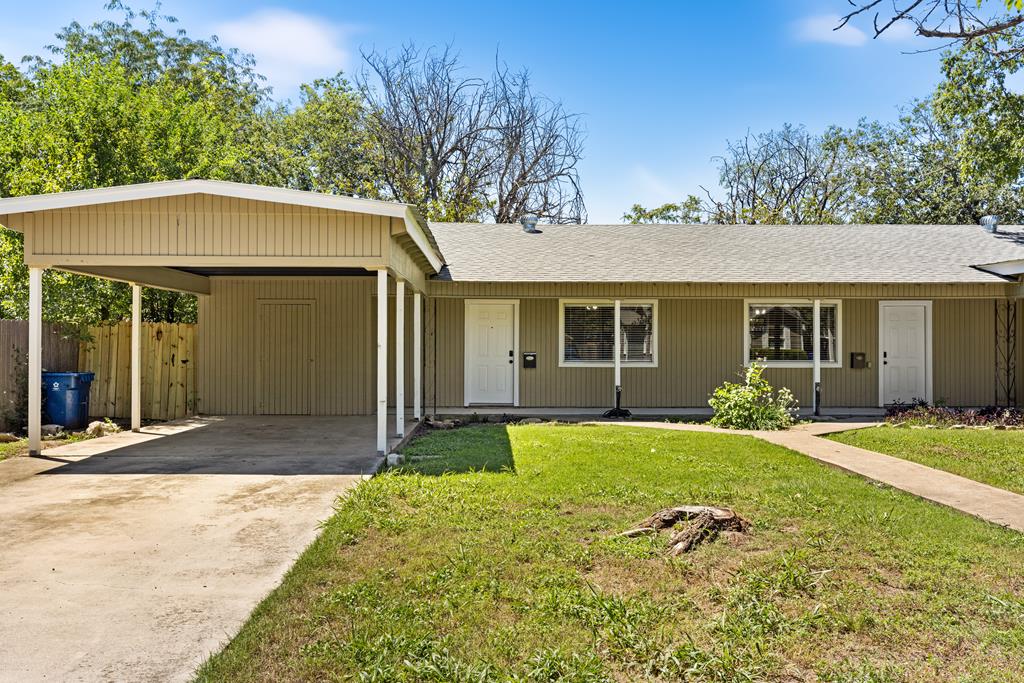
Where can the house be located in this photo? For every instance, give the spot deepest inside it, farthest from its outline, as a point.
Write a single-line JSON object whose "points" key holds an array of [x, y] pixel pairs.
{"points": [[328, 305]]}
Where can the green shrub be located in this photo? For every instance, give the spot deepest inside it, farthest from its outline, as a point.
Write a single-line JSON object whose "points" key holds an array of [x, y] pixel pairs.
{"points": [[754, 404]]}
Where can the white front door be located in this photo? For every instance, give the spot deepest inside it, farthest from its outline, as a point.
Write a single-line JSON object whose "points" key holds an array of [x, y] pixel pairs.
{"points": [[906, 365], [490, 353]]}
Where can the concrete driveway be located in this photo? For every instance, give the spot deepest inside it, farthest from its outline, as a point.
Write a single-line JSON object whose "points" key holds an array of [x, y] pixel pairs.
{"points": [[134, 556]]}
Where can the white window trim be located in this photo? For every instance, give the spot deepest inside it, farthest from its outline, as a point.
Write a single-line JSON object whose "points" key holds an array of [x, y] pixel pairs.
{"points": [[562, 363], [837, 363]]}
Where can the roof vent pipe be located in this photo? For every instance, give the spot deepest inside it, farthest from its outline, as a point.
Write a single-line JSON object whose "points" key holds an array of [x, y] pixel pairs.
{"points": [[990, 223], [529, 223]]}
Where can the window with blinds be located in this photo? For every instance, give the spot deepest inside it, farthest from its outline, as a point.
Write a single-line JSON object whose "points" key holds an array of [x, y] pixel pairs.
{"points": [[587, 333], [780, 333]]}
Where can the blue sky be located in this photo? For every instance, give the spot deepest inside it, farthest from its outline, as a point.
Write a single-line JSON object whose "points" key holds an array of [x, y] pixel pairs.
{"points": [[661, 85]]}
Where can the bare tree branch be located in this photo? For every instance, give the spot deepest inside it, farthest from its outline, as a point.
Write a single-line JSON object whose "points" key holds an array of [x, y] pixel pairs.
{"points": [[955, 20], [785, 176], [469, 148]]}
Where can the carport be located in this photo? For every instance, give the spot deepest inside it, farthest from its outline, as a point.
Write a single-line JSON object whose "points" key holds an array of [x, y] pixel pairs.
{"points": [[294, 290]]}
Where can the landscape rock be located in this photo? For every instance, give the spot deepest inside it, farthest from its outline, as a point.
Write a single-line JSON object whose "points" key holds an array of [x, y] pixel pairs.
{"points": [[51, 430], [101, 428], [7, 438], [531, 421], [436, 423]]}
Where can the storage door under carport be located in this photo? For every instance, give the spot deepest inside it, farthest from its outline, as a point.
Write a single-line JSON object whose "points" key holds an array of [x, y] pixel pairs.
{"points": [[287, 358]]}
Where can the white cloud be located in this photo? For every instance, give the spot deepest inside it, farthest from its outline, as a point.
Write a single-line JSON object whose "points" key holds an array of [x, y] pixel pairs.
{"points": [[821, 29], [900, 32], [290, 48]]}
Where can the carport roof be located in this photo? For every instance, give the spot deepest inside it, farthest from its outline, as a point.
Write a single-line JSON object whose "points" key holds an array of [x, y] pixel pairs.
{"points": [[417, 226]]}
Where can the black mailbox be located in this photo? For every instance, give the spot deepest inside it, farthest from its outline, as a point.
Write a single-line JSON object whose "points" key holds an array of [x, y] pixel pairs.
{"points": [[858, 360], [529, 359]]}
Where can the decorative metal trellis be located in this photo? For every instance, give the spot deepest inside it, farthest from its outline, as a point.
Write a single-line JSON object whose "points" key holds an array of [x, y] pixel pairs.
{"points": [[1006, 352]]}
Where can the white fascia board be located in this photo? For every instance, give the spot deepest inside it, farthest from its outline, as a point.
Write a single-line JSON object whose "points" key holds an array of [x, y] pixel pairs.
{"points": [[172, 188], [419, 237]]}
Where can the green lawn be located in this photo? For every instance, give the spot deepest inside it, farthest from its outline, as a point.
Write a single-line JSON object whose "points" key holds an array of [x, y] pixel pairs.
{"points": [[511, 574], [989, 456], [13, 448]]}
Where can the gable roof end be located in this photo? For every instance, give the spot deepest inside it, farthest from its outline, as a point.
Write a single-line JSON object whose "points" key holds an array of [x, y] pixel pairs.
{"points": [[418, 228]]}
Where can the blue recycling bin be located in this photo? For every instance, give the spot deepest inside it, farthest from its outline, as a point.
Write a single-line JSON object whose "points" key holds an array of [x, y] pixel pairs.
{"points": [[66, 398]]}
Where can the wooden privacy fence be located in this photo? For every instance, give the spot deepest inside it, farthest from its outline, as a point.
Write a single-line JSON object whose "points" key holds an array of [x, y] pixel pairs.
{"points": [[60, 353], [168, 369]]}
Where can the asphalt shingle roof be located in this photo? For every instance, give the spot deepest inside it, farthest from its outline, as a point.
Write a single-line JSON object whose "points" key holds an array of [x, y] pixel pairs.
{"points": [[481, 252]]}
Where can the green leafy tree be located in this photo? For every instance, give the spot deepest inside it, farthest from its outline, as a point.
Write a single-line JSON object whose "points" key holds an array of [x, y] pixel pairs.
{"points": [[690, 210], [988, 117], [327, 143], [119, 104], [910, 171]]}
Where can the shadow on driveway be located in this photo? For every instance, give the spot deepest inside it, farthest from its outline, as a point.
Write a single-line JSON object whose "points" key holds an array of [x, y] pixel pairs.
{"points": [[263, 445]]}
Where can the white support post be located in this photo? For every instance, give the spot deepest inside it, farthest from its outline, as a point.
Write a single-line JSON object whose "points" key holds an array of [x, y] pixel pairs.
{"points": [[816, 388], [417, 355], [35, 359], [400, 358], [382, 362], [617, 350], [136, 357]]}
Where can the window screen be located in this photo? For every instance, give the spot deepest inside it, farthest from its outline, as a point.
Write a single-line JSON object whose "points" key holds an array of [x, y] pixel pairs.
{"points": [[588, 333], [785, 332]]}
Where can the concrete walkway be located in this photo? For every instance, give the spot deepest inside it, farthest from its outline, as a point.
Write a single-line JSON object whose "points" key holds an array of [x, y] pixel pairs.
{"points": [[966, 495]]}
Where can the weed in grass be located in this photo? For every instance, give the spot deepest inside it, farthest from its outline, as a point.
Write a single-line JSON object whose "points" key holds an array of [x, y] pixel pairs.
{"points": [[857, 622], [396, 657], [860, 672], [724, 664], [554, 665]]}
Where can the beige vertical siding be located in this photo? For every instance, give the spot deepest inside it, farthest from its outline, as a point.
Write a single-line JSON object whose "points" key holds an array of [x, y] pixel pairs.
{"points": [[700, 345], [444, 353], [343, 345], [963, 343], [205, 225], [285, 330], [342, 341]]}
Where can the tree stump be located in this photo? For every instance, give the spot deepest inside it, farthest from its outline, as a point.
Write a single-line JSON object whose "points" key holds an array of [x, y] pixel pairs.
{"points": [[703, 524]]}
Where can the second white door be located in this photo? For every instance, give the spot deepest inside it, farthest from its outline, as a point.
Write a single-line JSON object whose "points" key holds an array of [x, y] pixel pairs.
{"points": [[906, 366], [490, 353]]}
